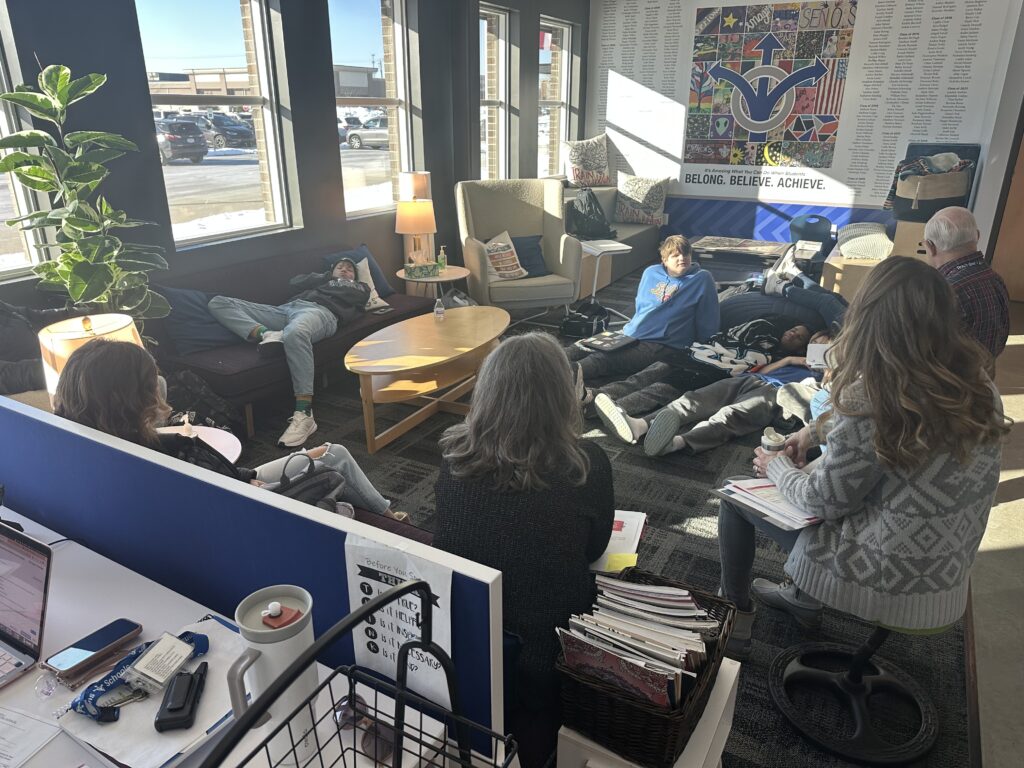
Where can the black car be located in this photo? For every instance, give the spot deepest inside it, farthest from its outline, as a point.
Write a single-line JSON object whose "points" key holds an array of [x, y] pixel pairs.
{"points": [[223, 130], [180, 140]]}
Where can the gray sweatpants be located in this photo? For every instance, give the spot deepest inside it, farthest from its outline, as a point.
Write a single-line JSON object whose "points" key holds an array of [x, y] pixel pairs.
{"points": [[715, 414]]}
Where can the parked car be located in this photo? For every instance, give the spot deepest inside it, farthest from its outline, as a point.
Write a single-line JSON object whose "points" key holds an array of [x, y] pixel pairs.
{"points": [[342, 131], [373, 133], [180, 140], [351, 121], [222, 130], [164, 114]]}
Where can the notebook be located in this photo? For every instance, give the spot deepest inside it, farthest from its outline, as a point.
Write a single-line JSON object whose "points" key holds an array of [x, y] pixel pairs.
{"points": [[24, 585], [608, 341]]}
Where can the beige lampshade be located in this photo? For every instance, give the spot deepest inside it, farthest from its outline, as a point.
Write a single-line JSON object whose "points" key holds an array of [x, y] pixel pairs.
{"points": [[415, 217], [59, 340], [414, 185]]}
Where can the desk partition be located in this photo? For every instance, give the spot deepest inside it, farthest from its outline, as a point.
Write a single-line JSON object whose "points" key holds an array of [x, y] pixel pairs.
{"points": [[215, 539]]}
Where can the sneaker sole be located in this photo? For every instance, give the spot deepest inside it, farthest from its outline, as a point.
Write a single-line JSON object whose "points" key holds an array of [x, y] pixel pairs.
{"points": [[612, 418], [283, 444], [664, 427]]}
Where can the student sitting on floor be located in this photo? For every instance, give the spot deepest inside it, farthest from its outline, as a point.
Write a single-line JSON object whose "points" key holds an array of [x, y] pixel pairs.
{"points": [[520, 492], [325, 300], [905, 488], [712, 415], [112, 386], [676, 305]]}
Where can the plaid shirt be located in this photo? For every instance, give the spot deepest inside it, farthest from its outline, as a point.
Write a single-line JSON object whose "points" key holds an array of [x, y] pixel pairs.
{"points": [[984, 303]]}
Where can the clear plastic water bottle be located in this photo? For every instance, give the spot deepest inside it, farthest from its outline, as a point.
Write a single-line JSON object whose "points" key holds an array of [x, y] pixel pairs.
{"points": [[438, 310]]}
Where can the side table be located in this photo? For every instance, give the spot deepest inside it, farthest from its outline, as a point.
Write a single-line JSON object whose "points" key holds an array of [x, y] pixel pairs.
{"points": [[222, 441], [449, 274], [599, 249]]}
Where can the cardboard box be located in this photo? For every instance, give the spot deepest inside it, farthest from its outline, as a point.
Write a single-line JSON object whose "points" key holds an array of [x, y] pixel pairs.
{"points": [[844, 276], [909, 240]]}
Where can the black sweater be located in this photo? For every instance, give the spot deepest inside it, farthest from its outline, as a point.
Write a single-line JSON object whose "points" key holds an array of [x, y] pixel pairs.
{"points": [[542, 542]]}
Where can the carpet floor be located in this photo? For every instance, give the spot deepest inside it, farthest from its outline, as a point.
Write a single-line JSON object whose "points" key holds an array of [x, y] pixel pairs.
{"points": [[680, 542]]}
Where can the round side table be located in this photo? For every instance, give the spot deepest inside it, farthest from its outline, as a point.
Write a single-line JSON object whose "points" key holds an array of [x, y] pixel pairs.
{"points": [[447, 275]]}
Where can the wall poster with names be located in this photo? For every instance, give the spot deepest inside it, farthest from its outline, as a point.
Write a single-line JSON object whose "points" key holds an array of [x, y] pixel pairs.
{"points": [[373, 569], [791, 102]]}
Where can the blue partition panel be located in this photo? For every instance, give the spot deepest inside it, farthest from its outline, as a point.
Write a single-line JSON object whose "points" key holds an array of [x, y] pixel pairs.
{"points": [[201, 539]]}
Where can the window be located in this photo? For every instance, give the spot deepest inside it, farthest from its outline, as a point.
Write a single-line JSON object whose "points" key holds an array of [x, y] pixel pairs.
{"points": [[370, 87], [494, 56], [553, 98], [214, 115]]}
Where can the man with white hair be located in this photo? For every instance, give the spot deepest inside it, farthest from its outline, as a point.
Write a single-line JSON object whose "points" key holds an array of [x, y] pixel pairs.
{"points": [[951, 240]]}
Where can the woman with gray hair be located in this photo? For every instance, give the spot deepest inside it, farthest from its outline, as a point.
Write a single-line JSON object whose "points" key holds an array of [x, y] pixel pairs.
{"points": [[520, 492]]}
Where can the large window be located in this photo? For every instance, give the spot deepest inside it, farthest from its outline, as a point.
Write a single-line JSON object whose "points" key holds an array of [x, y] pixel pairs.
{"points": [[553, 98], [214, 113], [370, 86], [494, 59]]}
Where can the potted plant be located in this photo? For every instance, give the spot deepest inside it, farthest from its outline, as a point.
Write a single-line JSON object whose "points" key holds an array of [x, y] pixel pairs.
{"points": [[95, 269]]}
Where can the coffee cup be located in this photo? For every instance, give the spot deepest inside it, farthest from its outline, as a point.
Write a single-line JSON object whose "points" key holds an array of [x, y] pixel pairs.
{"points": [[772, 442]]}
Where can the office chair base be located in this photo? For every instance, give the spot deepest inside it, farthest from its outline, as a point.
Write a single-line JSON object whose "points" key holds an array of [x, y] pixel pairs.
{"points": [[810, 665]]}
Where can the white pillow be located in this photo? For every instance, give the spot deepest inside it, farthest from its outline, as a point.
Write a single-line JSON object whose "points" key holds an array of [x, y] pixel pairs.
{"points": [[363, 276], [502, 261]]}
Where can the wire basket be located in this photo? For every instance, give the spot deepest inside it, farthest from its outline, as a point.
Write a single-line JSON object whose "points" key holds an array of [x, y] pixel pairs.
{"points": [[639, 730], [359, 719]]}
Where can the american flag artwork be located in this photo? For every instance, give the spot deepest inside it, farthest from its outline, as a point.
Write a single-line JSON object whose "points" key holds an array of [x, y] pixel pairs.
{"points": [[830, 88]]}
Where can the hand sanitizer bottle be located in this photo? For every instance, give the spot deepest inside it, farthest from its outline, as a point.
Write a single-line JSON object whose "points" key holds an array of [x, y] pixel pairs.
{"points": [[438, 310], [442, 259]]}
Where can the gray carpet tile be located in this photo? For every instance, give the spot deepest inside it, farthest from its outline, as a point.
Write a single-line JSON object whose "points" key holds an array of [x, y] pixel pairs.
{"points": [[679, 542]]}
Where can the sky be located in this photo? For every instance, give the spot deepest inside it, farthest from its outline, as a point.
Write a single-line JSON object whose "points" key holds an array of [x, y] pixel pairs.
{"points": [[191, 34]]}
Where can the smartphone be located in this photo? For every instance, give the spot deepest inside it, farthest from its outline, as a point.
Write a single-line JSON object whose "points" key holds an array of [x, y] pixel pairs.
{"points": [[383, 310], [92, 646]]}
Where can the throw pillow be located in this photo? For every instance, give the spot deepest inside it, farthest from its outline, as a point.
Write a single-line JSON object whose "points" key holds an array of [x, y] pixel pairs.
{"points": [[357, 255], [364, 275], [640, 200], [502, 262], [586, 162], [190, 325], [530, 253]]}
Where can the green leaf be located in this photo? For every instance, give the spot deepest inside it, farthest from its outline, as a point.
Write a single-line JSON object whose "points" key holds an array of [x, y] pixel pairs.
{"points": [[60, 159], [83, 86], [17, 160], [135, 223], [89, 281], [100, 139], [53, 286], [158, 307], [37, 177], [84, 173], [132, 298], [26, 139], [54, 82], [98, 155], [99, 248], [46, 270], [37, 104], [132, 259], [28, 217]]}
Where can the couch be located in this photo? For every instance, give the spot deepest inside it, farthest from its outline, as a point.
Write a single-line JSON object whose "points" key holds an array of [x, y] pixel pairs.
{"points": [[235, 371]]}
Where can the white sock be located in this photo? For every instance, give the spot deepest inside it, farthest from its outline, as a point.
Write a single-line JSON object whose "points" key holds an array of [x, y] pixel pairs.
{"points": [[677, 444], [637, 426]]}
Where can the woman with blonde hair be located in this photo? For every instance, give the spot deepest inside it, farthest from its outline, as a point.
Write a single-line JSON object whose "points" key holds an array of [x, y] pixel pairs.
{"points": [[903, 491], [520, 492]]}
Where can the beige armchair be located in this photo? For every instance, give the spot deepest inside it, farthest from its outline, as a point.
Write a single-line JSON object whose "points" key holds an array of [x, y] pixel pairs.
{"points": [[523, 207]]}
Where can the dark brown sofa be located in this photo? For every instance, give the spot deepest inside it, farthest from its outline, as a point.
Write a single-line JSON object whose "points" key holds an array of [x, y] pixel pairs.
{"points": [[236, 372]]}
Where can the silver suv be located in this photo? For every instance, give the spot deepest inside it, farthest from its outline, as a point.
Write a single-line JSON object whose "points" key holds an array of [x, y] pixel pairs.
{"points": [[373, 133]]}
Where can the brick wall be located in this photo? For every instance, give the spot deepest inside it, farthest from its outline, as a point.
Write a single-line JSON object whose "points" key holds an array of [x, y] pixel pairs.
{"points": [[262, 150], [387, 24], [492, 93]]}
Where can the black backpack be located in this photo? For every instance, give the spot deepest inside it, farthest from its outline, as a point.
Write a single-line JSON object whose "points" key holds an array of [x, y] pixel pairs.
{"points": [[189, 395], [588, 221]]}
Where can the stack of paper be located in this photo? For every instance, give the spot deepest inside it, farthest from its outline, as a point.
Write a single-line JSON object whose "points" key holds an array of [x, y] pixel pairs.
{"points": [[761, 497], [646, 639], [622, 546]]}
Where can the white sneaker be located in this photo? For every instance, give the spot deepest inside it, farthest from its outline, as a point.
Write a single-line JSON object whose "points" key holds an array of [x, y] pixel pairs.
{"points": [[300, 427], [785, 267], [271, 344], [774, 284]]}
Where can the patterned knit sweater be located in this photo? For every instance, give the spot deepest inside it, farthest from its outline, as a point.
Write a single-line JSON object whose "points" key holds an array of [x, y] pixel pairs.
{"points": [[894, 548]]}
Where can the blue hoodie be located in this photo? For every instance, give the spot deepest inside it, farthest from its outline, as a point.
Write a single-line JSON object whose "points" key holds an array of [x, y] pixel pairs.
{"points": [[675, 311]]}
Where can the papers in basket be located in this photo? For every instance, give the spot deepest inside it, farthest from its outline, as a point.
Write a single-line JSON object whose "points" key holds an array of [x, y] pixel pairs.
{"points": [[622, 546], [763, 498], [645, 639]]}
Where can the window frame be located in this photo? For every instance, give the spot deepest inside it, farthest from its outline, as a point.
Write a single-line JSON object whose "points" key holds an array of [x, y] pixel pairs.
{"points": [[503, 16], [565, 93], [269, 105]]}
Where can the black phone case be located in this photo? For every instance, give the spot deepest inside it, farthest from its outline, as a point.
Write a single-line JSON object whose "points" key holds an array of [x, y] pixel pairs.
{"points": [[178, 709]]}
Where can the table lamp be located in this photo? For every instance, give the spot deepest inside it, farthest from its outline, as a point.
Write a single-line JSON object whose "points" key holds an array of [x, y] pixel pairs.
{"points": [[414, 219], [59, 340], [414, 185]]}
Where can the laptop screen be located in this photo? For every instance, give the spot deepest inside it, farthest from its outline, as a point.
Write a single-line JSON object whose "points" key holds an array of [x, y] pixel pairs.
{"points": [[24, 571]]}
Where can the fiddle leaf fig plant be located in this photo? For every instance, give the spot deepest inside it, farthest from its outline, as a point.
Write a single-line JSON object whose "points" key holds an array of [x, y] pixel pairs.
{"points": [[93, 267]]}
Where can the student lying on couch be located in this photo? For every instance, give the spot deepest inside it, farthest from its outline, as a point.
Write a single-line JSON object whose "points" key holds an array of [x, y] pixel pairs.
{"points": [[325, 299]]}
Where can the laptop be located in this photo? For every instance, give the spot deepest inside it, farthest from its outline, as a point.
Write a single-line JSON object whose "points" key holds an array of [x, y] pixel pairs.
{"points": [[24, 585]]}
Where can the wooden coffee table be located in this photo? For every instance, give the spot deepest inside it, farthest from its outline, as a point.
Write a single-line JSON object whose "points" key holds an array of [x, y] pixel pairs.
{"points": [[410, 361]]}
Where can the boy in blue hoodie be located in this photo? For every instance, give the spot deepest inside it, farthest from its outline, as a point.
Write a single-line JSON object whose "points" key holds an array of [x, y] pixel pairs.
{"points": [[676, 305]]}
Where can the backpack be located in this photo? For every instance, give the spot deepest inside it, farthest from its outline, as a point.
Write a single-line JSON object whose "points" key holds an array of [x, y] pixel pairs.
{"points": [[316, 484], [189, 394], [587, 217], [454, 298]]}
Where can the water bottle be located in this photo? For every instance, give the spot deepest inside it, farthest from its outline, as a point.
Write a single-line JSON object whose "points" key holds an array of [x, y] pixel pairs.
{"points": [[438, 310]]}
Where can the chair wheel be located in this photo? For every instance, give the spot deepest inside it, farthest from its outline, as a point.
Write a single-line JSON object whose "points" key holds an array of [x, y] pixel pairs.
{"points": [[794, 666]]}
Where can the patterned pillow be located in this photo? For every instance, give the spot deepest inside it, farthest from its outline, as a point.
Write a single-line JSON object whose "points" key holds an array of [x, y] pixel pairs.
{"points": [[640, 200], [364, 275], [502, 262], [586, 162]]}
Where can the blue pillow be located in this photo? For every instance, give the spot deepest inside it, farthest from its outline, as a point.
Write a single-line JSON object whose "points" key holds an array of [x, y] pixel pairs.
{"points": [[190, 325], [530, 255], [380, 282]]}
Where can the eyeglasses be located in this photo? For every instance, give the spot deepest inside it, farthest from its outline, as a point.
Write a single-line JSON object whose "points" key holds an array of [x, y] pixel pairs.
{"points": [[378, 740]]}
